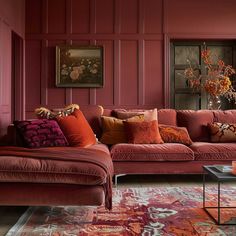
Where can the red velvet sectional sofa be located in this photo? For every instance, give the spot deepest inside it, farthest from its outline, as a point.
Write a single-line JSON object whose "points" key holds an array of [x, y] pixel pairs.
{"points": [[69, 179]]}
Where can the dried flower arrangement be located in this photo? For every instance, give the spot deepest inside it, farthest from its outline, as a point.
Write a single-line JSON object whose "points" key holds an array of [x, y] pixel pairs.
{"points": [[217, 81]]}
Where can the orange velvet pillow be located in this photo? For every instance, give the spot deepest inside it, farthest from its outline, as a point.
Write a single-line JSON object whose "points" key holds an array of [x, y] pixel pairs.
{"points": [[174, 134], [76, 129], [142, 132], [113, 129]]}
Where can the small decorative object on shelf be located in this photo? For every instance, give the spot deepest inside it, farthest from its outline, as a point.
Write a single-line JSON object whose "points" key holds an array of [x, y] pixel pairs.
{"points": [[216, 83]]}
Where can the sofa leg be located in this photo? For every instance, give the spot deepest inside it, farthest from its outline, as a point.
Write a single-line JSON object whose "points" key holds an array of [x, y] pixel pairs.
{"points": [[116, 178], [96, 216]]}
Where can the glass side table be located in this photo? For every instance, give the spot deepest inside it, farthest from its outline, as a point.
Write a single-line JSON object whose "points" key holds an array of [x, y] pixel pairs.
{"points": [[220, 178]]}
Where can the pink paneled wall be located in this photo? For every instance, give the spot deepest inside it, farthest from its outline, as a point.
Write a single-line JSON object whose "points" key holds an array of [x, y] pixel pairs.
{"points": [[12, 18], [135, 35], [200, 17], [131, 34]]}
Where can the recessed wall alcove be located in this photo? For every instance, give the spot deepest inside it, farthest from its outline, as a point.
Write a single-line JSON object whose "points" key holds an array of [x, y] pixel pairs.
{"points": [[181, 96]]}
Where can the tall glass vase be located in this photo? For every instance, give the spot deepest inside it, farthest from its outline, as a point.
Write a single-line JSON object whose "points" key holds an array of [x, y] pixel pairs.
{"points": [[213, 102]]}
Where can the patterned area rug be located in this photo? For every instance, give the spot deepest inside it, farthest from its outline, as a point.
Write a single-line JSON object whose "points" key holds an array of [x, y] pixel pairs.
{"points": [[136, 211]]}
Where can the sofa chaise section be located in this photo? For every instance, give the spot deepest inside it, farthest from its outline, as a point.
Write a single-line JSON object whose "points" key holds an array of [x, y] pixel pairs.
{"points": [[52, 176]]}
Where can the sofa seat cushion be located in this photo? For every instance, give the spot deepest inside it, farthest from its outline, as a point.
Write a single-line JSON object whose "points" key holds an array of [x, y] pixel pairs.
{"points": [[214, 151], [67, 165], [151, 152]]}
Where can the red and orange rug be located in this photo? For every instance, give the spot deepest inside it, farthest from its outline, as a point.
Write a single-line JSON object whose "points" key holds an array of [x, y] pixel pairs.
{"points": [[136, 211]]}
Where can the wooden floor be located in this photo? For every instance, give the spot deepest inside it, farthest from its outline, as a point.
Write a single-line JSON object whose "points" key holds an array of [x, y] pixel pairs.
{"points": [[10, 215]]}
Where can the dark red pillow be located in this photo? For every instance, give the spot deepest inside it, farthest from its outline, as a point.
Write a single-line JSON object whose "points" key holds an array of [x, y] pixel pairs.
{"points": [[142, 132], [40, 133], [77, 129]]}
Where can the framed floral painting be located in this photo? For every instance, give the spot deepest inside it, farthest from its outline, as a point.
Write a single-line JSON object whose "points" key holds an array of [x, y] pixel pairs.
{"points": [[79, 66]]}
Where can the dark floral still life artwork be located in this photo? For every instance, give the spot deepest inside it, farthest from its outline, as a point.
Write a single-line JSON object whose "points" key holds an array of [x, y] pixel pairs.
{"points": [[78, 66]]}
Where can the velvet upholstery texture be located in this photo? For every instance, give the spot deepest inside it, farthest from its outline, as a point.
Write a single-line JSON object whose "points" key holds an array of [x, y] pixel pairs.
{"points": [[222, 132], [76, 129], [228, 116], [47, 169], [174, 134], [142, 132], [93, 116], [163, 167], [43, 194], [167, 117], [113, 129], [204, 151], [40, 133], [196, 123], [151, 152]]}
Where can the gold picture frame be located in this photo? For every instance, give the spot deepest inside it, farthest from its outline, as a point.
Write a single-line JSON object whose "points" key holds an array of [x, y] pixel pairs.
{"points": [[79, 66]]}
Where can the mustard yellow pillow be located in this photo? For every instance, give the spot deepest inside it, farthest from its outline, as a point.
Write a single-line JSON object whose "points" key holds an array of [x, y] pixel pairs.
{"points": [[113, 129]]}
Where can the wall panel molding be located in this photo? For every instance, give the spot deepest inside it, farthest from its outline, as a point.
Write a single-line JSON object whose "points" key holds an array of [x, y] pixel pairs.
{"points": [[44, 76], [116, 88], [44, 16], [125, 64], [69, 91], [12, 19], [68, 17], [141, 74]]}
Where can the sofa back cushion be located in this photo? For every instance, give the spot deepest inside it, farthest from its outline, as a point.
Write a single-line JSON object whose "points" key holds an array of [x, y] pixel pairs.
{"points": [[123, 114], [228, 116], [93, 116], [167, 117], [196, 123]]}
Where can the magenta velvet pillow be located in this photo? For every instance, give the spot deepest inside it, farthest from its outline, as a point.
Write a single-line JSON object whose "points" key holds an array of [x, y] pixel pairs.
{"points": [[40, 133]]}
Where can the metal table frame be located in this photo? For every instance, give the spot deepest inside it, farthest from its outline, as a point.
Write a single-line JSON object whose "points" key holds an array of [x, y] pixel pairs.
{"points": [[219, 207]]}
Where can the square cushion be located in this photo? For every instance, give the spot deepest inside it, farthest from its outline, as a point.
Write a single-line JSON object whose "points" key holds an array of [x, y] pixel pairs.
{"points": [[113, 129], [151, 152], [40, 133], [196, 123], [204, 151], [142, 132]]}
